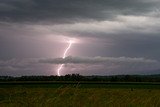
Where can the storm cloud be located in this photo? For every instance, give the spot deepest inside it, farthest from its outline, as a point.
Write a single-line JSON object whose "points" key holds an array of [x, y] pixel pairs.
{"points": [[125, 34], [64, 11]]}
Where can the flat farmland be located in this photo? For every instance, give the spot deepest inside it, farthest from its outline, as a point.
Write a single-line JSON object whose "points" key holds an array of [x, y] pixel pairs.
{"points": [[79, 94]]}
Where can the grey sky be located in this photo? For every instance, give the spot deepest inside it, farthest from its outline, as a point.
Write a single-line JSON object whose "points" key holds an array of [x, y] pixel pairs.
{"points": [[38, 29]]}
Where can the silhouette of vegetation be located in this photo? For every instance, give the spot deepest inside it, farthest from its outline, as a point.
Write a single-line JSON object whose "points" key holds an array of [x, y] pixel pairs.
{"points": [[77, 77]]}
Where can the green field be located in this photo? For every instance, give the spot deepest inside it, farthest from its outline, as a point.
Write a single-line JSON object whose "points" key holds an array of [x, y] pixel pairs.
{"points": [[79, 95]]}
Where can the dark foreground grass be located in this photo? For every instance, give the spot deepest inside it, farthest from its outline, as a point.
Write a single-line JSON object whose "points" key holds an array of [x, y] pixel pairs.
{"points": [[76, 96]]}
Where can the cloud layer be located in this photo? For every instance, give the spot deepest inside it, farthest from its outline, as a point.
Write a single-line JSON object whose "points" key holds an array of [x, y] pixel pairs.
{"points": [[94, 60], [83, 65]]}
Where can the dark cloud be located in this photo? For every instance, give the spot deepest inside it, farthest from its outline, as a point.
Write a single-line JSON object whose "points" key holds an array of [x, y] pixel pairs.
{"points": [[64, 11], [93, 60]]}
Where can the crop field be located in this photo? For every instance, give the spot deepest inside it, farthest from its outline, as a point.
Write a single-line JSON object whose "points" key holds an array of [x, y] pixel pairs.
{"points": [[42, 94]]}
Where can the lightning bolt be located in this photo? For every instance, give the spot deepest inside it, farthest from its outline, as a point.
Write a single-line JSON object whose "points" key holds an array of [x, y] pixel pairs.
{"points": [[64, 56]]}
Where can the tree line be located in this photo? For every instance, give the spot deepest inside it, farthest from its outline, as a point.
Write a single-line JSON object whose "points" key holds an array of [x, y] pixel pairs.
{"points": [[77, 77]]}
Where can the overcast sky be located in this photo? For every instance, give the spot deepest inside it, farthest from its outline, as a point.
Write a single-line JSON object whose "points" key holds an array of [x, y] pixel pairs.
{"points": [[110, 37]]}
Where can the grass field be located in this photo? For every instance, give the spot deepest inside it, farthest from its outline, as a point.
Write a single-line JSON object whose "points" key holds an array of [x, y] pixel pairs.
{"points": [[79, 95]]}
